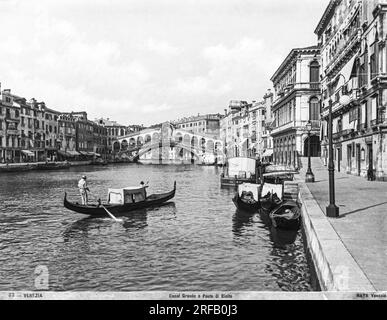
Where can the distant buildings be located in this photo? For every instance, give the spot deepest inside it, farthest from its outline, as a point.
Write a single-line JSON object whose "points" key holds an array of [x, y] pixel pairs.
{"points": [[30, 132], [208, 124]]}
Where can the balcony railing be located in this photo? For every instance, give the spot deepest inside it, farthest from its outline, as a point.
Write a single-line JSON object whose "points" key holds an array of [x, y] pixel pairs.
{"points": [[12, 131], [297, 86], [296, 124]]}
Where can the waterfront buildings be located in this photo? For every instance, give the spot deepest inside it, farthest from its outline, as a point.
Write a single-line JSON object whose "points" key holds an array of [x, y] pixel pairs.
{"points": [[235, 129], [297, 101], [30, 131], [208, 124], [67, 137], [244, 128], [266, 127], [352, 36], [9, 128]]}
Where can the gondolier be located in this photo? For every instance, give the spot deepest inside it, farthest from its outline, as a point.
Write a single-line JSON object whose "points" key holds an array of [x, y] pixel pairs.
{"points": [[82, 186]]}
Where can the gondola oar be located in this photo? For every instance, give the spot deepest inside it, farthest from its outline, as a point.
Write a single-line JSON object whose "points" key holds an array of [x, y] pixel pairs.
{"points": [[108, 212], [111, 215]]}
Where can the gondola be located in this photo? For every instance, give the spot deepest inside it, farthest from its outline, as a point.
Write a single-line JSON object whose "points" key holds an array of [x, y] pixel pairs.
{"points": [[121, 201], [286, 216], [247, 197], [246, 205], [269, 202]]}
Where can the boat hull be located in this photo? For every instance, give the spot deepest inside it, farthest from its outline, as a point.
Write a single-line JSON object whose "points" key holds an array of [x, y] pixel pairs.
{"points": [[280, 221], [98, 210], [247, 207]]}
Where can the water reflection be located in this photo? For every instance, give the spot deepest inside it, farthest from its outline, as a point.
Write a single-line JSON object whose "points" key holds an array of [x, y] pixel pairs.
{"points": [[241, 221], [198, 241], [282, 238]]}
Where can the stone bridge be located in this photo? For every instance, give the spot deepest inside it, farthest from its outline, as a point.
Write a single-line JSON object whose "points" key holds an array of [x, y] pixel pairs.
{"points": [[168, 144]]}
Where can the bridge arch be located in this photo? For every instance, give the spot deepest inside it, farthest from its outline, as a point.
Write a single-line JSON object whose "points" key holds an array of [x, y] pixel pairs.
{"points": [[148, 138], [179, 137], [140, 141], [116, 146], [124, 145]]}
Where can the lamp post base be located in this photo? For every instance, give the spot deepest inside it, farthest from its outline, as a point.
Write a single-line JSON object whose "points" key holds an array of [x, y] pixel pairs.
{"points": [[332, 211], [309, 177]]}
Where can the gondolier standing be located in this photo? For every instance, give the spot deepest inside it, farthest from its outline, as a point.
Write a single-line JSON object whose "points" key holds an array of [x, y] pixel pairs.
{"points": [[83, 189]]}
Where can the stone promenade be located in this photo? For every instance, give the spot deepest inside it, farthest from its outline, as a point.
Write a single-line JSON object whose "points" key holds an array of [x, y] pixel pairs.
{"points": [[362, 224]]}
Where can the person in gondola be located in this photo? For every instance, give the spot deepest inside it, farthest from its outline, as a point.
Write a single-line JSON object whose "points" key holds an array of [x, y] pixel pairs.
{"points": [[144, 186], [82, 186]]}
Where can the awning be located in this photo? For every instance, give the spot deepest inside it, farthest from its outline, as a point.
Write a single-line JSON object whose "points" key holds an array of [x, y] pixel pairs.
{"points": [[73, 153], [62, 153], [28, 153], [346, 71], [268, 153]]}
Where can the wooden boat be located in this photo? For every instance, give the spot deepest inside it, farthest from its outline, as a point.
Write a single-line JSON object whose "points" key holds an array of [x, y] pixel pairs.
{"points": [[121, 201], [246, 205], [271, 196], [237, 171], [247, 197], [53, 165], [270, 202], [286, 216], [278, 177]]}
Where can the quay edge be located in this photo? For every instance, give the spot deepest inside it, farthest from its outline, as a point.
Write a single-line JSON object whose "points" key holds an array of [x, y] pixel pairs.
{"points": [[335, 268]]}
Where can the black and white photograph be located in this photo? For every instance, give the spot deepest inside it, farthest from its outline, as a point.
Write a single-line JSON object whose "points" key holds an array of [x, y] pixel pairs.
{"points": [[193, 150]]}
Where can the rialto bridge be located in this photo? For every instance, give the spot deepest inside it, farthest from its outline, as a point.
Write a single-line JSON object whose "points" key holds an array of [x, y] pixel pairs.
{"points": [[169, 145]]}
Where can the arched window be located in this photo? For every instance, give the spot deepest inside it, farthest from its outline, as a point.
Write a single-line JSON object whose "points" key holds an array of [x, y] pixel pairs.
{"points": [[314, 109], [314, 71]]}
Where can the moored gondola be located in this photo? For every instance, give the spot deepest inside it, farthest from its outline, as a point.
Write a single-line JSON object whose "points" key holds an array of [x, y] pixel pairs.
{"points": [[271, 196], [286, 216], [243, 204], [121, 201], [247, 197]]}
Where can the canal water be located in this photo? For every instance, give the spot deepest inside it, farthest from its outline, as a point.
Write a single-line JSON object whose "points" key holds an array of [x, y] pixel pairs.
{"points": [[198, 242]]}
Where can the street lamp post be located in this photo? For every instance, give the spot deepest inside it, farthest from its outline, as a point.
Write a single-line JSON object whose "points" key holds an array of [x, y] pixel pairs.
{"points": [[332, 210], [309, 177]]}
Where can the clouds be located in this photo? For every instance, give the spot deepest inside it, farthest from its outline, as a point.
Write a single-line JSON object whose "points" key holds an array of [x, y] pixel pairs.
{"points": [[162, 47], [144, 61]]}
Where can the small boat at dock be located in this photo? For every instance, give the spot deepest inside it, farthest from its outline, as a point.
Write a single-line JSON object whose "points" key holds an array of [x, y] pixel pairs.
{"points": [[121, 201], [247, 197], [271, 196], [237, 171], [286, 216]]}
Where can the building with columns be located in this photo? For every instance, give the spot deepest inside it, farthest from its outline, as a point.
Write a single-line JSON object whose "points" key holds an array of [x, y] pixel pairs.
{"points": [[352, 36], [297, 101]]}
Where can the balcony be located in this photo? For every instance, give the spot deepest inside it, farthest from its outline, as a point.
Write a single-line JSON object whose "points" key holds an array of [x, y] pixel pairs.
{"points": [[11, 117], [300, 124], [296, 86], [13, 132]]}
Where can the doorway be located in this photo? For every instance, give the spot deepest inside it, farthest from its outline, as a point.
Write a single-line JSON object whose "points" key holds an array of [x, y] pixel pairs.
{"points": [[314, 146], [358, 159], [349, 158], [339, 157], [370, 169]]}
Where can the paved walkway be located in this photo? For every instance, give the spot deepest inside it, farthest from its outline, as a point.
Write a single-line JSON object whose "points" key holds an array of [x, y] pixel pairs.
{"points": [[362, 224]]}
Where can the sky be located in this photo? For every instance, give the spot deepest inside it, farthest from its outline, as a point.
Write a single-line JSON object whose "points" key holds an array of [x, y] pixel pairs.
{"points": [[149, 61]]}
